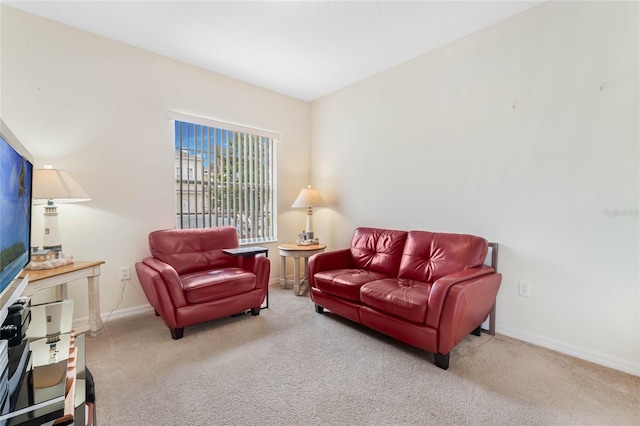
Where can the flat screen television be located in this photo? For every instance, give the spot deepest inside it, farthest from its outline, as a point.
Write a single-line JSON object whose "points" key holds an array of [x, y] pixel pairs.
{"points": [[16, 176]]}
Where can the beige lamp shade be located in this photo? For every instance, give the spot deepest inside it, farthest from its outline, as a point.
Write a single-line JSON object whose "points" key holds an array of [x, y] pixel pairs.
{"points": [[309, 198], [56, 185]]}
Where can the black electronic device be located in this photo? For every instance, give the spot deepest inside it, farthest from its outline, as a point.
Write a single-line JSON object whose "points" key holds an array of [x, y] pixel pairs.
{"points": [[18, 357], [8, 332], [19, 316]]}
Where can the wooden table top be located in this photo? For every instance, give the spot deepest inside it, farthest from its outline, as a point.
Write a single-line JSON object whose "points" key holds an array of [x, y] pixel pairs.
{"points": [[40, 274]]}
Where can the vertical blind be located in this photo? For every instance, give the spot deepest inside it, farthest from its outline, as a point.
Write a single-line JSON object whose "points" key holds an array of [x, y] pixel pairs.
{"points": [[225, 177]]}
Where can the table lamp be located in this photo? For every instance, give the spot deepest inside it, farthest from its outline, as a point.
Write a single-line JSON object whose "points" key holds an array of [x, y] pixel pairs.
{"points": [[51, 185], [309, 198]]}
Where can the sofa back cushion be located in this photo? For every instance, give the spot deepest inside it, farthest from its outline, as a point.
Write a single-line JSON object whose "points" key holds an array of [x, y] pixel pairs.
{"points": [[429, 256], [378, 250], [192, 250]]}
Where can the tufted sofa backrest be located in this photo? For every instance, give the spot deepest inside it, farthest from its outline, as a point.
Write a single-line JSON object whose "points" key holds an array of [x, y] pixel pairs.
{"points": [[429, 256], [191, 250], [378, 250]]}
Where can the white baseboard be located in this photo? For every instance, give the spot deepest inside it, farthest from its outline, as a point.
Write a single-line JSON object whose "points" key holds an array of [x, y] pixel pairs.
{"points": [[575, 351], [119, 314]]}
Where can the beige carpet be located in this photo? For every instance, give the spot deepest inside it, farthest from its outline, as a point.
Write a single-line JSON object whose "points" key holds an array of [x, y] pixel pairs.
{"points": [[292, 366]]}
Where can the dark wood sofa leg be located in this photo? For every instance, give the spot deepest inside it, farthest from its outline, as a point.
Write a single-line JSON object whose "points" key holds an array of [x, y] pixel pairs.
{"points": [[319, 309], [156, 313], [177, 333], [255, 311], [477, 331], [442, 360]]}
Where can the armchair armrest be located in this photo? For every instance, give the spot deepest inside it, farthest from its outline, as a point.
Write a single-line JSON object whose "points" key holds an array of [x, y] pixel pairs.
{"points": [[250, 259], [327, 261], [260, 266], [162, 280]]}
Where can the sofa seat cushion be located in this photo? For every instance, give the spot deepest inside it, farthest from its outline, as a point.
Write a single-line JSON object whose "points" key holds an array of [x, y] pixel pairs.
{"points": [[216, 284], [402, 298], [345, 283]]}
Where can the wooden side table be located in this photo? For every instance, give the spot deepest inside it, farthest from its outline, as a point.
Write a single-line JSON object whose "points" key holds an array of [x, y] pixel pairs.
{"points": [[296, 252], [59, 277]]}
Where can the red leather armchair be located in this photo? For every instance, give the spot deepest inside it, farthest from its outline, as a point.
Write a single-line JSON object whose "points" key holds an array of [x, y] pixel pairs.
{"points": [[189, 280]]}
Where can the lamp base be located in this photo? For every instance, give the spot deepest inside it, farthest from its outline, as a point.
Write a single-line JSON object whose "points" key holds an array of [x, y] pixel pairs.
{"points": [[36, 265], [309, 242]]}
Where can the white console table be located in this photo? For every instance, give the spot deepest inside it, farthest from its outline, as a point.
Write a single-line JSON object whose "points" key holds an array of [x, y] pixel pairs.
{"points": [[59, 277]]}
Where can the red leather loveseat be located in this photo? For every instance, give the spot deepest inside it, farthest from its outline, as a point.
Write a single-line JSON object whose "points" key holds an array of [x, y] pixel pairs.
{"points": [[189, 280], [429, 290]]}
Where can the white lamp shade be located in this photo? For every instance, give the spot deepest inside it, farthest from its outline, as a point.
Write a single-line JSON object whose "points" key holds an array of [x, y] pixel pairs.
{"points": [[309, 198], [56, 185]]}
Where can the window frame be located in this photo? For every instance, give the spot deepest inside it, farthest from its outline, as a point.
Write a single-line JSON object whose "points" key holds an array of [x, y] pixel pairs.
{"points": [[234, 211]]}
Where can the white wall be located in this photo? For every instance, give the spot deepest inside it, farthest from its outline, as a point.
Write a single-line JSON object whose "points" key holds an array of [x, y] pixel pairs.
{"points": [[98, 108], [525, 133]]}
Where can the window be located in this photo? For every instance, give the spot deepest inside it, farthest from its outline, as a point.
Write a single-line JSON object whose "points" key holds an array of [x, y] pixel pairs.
{"points": [[225, 175]]}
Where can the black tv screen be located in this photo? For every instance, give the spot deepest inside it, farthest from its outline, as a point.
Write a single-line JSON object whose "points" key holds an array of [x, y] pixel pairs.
{"points": [[16, 173]]}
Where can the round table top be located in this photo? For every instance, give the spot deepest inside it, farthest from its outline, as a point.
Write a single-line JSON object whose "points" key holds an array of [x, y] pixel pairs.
{"points": [[295, 247]]}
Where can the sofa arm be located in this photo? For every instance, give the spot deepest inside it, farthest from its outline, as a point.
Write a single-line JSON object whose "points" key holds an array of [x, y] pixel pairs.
{"points": [[467, 305], [440, 290], [328, 261]]}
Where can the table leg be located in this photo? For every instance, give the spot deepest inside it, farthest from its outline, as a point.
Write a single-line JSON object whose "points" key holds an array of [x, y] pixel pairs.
{"points": [[61, 291], [492, 321], [296, 275], [305, 277], [283, 272], [95, 321]]}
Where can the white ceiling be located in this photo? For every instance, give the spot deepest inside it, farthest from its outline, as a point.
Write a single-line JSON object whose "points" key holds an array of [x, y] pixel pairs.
{"points": [[304, 49]]}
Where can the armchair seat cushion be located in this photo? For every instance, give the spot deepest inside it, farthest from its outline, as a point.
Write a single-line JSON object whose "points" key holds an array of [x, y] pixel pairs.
{"points": [[345, 283], [402, 298], [200, 287]]}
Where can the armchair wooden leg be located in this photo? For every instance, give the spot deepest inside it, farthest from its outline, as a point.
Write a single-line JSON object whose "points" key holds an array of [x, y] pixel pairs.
{"points": [[477, 331], [442, 360], [255, 311], [319, 309], [156, 312], [177, 333]]}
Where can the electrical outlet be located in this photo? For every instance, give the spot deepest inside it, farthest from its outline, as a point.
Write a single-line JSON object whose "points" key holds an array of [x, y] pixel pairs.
{"points": [[125, 273], [524, 288]]}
